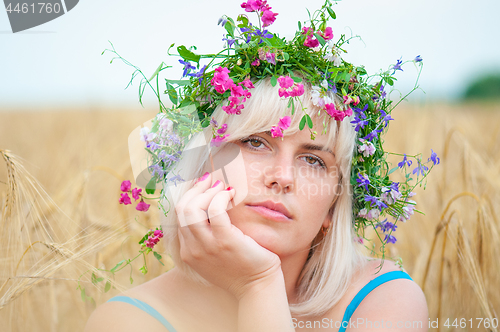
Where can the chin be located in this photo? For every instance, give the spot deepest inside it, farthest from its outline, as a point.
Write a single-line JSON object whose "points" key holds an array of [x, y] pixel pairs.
{"points": [[264, 234]]}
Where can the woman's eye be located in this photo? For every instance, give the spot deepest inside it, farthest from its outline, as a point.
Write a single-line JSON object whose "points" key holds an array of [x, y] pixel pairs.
{"points": [[255, 143], [313, 161]]}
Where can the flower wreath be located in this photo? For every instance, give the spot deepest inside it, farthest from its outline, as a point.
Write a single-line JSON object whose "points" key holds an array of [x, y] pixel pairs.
{"points": [[253, 53]]}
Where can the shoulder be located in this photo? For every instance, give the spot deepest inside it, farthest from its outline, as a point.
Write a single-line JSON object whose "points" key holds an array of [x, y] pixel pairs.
{"points": [[123, 316], [398, 302]]}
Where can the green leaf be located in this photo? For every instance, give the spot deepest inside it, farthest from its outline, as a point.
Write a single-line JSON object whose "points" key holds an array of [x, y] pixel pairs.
{"points": [[229, 26], [93, 278], [160, 67], [131, 280], [389, 80], [83, 295], [188, 109], [172, 94], [158, 257], [302, 122], [331, 12], [187, 54], [151, 186], [320, 39], [117, 266], [300, 26], [297, 79], [274, 81], [99, 279], [243, 19], [392, 170], [178, 82], [293, 106], [309, 121], [107, 287], [286, 56]]}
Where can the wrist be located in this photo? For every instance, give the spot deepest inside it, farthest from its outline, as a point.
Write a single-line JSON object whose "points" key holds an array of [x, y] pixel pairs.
{"points": [[271, 281]]}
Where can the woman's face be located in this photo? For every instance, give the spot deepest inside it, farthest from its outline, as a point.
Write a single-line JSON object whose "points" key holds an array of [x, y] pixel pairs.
{"points": [[295, 173]]}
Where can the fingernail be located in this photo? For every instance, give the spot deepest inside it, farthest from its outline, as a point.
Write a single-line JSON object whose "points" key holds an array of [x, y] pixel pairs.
{"points": [[229, 188], [216, 184], [203, 177]]}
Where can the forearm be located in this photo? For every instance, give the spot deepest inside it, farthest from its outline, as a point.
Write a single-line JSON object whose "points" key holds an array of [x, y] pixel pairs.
{"points": [[264, 308]]}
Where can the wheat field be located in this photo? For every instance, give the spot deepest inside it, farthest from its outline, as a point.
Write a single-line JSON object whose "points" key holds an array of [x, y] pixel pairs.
{"points": [[60, 174]]}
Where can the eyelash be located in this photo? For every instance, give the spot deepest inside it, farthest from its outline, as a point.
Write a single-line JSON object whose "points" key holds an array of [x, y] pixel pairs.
{"points": [[248, 139]]}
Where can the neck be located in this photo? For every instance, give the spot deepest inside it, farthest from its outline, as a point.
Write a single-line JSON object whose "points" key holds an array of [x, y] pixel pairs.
{"points": [[292, 267]]}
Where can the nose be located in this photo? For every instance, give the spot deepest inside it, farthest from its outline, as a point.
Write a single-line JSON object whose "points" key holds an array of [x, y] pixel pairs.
{"points": [[279, 175]]}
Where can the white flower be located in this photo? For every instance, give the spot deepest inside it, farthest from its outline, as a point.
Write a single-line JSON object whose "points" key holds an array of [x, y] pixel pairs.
{"points": [[362, 213], [166, 124], [318, 96], [332, 54], [373, 214], [146, 136], [324, 84], [367, 148]]}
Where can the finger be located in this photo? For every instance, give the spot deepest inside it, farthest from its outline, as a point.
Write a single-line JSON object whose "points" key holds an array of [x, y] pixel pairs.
{"points": [[195, 214], [219, 220], [201, 186]]}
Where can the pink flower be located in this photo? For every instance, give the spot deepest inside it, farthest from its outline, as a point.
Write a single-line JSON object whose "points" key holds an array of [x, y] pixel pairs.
{"points": [[125, 187], [284, 122], [222, 129], [136, 192], [125, 199], [310, 42], [335, 113], [307, 31], [217, 140], [158, 233], [355, 100], [271, 58], [221, 81], [285, 81], [298, 90], [276, 131], [256, 62], [268, 18], [247, 83], [282, 92], [347, 100], [251, 5], [142, 206], [328, 34]]}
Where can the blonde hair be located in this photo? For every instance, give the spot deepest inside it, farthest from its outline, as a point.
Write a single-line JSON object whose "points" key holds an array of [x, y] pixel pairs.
{"points": [[332, 259]]}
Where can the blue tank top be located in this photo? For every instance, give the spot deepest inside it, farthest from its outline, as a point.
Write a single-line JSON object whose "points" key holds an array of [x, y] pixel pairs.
{"points": [[345, 320]]}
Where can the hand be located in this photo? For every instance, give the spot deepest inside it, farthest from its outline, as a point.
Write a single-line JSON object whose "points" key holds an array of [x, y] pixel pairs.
{"points": [[215, 248]]}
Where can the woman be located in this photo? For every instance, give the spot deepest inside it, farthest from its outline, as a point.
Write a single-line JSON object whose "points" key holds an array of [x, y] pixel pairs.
{"points": [[283, 257]]}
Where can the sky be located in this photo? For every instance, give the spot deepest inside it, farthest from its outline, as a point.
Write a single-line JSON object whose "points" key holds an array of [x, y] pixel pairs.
{"points": [[59, 64]]}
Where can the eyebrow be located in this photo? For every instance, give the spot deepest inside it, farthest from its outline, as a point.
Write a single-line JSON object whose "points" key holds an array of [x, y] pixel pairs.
{"points": [[308, 146]]}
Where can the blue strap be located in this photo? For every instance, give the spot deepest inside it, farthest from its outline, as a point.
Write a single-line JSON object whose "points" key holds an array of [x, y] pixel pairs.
{"points": [[146, 307], [366, 290]]}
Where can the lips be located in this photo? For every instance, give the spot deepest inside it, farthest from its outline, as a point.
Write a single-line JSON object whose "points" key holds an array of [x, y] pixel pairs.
{"points": [[278, 207]]}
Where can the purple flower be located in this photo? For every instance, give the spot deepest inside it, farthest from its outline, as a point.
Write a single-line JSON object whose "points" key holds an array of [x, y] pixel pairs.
{"points": [[372, 135], [359, 118], [157, 169], [213, 122], [200, 73], [383, 94], [187, 67], [387, 226], [420, 169], [222, 21], [152, 146], [374, 201], [397, 66], [176, 178], [418, 58], [434, 158], [262, 34], [405, 161], [229, 41], [390, 238], [385, 117], [363, 181]]}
